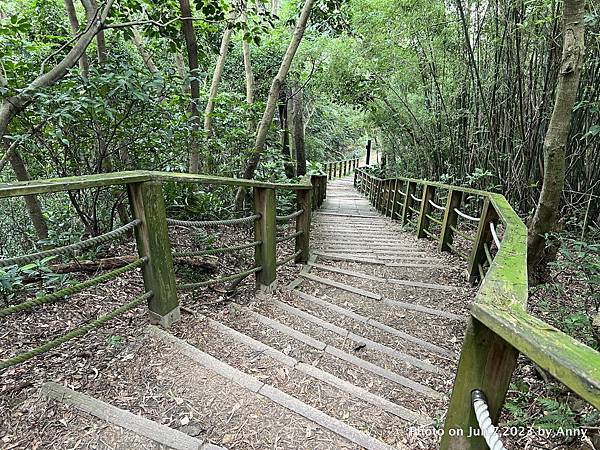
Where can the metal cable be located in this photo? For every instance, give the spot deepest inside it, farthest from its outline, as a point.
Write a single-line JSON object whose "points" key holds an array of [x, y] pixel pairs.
{"points": [[289, 237], [289, 216], [69, 249], [466, 216], [73, 333], [204, 223], [190, 286], [290, 258], [482, 413], [216, 251], [55, 296]]}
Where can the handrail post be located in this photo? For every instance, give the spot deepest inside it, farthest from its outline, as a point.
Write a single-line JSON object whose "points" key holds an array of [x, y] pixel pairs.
{"points": [[304, 202], [411, 187], [392, 197], [264, 231], [152, 237], [329, 170], [484, 235], [486, 363], [388, 199], [395, 206], [450, 218], [423, 224]]}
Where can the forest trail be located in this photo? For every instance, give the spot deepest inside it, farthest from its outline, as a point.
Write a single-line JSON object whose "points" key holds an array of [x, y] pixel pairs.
{"points": [[359, 348]]}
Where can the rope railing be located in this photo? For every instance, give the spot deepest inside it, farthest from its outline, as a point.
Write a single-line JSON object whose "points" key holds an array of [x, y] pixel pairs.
{"points": [[431, 235], [461, 234], [237, 276], [216, 251], [458, 252], [289, 216], [416, 199], [289, 237], [495, 235], [466, 216], [18, 359], [436, 206], [289, 259], [434, 219], [205, 223], [70, 249], [55, 296], [488, 431]]}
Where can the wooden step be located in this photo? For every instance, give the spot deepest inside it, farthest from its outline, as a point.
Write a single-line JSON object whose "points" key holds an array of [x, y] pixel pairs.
{"points": [[320, 375], [340, 354], [374, 323], [269, 392], [149, 429]]}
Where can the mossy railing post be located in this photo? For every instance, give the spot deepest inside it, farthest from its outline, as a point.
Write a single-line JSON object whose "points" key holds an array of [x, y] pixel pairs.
{"points": [[389, 206], [304, 202], [328, 166], [264, 231], [152, 237], [411, 187], [396, 206], [484, 236], [450, 218], [486, 363], [423, 224]]}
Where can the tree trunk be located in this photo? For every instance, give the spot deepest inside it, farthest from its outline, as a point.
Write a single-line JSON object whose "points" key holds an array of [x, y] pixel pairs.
{"points": [[249, 75], [91, 7], [214, 85], [275, 7], [298, 126], [74, 21], [267, 118], [12, 106], [546, 214], [31, 201], [141, 48], [192, 51]]}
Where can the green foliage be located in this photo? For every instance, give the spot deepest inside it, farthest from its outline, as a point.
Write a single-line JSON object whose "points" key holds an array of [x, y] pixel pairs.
{"points": [[34, 278], [560, 411], [315, 168]]}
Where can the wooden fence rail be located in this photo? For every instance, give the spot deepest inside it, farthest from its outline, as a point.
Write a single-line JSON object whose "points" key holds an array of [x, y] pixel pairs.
{"points": [[468, 223], [151, 232], [338, 169]]}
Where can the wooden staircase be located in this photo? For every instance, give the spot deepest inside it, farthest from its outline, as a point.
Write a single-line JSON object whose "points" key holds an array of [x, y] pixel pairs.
{"points": [[355, 353]]}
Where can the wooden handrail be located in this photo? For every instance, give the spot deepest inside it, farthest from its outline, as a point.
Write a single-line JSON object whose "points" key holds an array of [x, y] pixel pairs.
{"points": [[500, 326], [121, 178], [148, 208]]}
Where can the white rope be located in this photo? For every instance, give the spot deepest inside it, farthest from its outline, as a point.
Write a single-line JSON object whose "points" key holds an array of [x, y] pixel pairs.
{"points": [[495, 235], [436, 206], [416, 199], [482, 413], [466, 216]]}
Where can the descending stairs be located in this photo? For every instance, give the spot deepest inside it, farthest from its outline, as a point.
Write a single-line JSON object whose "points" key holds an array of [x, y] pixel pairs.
{"points": [[359, 348]]}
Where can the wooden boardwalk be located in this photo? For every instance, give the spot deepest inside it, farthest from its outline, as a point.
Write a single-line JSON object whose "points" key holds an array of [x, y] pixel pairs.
{"points": [[356, 351]]}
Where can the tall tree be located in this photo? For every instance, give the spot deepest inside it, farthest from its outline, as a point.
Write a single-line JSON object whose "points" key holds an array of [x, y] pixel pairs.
{"points": [[546, 213], [216, 79], [273, 98], [15, 104], [74, 21], [192, 51], [298, 131]]}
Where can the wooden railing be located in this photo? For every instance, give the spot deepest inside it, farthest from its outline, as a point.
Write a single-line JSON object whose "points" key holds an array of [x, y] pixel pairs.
{"points": [[338, 169], [499, 325], [154, 247]]}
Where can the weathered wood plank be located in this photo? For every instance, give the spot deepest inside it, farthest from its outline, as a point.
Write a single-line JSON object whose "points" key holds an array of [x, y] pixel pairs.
{"points": [[147, 428]]}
